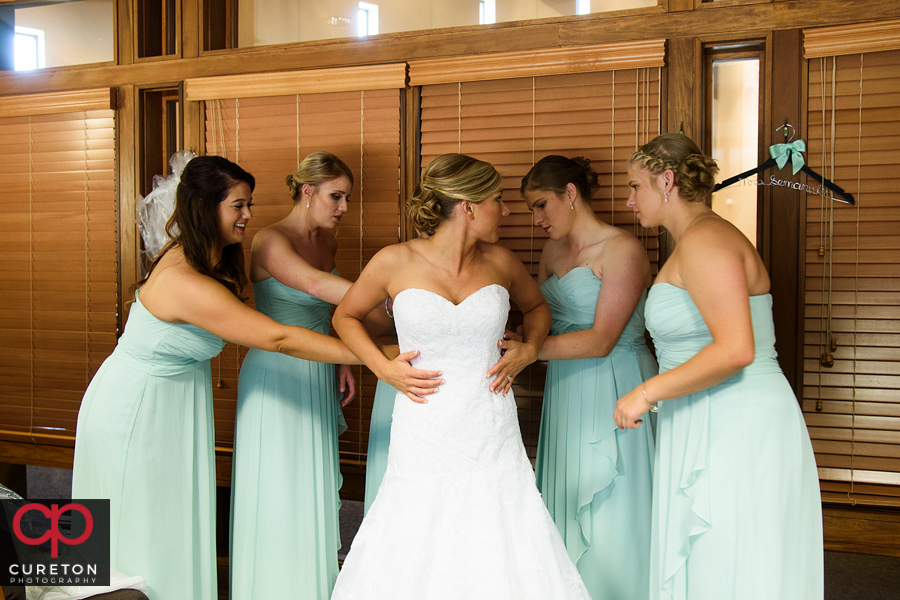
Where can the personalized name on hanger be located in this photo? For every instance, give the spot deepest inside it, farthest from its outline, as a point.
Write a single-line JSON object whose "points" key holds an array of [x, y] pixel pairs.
{"points": [[780, 155]]}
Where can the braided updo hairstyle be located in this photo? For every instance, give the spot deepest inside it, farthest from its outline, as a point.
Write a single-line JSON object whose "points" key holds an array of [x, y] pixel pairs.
{"points": [[695, 173], [447, 181], [554, 172], [316, 169]]}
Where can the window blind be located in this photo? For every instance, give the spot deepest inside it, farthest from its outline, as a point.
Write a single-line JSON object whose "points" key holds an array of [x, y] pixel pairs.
{"points": [[852, 272], [59, 289], [269, 136], [512, 123]]}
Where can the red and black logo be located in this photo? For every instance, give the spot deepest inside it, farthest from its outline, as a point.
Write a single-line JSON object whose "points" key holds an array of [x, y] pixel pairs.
{"points": [[54, 542]]}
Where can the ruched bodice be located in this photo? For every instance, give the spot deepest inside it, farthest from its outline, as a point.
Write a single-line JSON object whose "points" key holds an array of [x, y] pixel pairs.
{"points": [[160, 348], [736, 504], [679, 331], [595, 479], [145, 441], [573, 302], [286, 454], [290, 306]]}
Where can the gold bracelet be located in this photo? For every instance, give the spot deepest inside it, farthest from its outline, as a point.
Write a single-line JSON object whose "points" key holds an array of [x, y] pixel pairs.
{"points": [[653, 407]]}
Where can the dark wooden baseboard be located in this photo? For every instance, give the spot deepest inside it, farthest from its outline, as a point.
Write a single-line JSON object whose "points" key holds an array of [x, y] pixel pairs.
{"points": [[864, 530]]}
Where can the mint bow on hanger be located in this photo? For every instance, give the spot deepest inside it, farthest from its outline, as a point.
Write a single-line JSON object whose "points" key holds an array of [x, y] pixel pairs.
{"points": [[794, 150]]}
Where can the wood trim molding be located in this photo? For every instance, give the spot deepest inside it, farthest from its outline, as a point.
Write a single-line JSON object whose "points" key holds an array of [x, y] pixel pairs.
{"points": [[315, 81], [57, 102], [851, 39], [530, 63]]}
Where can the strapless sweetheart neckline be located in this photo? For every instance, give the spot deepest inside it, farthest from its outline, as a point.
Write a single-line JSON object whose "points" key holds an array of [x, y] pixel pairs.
{"points": [[447, 300]]}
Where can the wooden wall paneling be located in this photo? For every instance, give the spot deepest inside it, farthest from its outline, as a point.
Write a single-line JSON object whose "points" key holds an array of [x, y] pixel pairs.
{"points": [[52, 103], [782, 206], [410, 150], [194, 118], [683, 102], [681, 5], [312, 81], [509, 65], [685, 87], [125, 47], [127, 135], [720, 18], [861, 530], [41, 451], [191, 30], [599, 28], [843, 39]]}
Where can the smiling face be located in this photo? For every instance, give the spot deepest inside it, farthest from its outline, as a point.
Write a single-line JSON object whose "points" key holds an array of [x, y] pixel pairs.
{"points": [[646, 197], [328, 201], [552, 212], [233, 214]]}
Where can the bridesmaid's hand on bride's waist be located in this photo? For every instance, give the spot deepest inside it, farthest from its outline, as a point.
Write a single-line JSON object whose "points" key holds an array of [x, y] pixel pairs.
{"points": [[515, 356], [415, 383]]}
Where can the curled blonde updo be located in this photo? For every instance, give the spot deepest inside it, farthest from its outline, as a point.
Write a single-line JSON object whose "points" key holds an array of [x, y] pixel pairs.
{"points": [[695, 173], [447, 181], [316, 169]]}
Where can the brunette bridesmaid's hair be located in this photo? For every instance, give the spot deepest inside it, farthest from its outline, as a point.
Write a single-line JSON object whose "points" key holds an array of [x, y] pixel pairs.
{"points": [[555, 172], [447, 181], [194, 226], [316, 169], [695, 173]]}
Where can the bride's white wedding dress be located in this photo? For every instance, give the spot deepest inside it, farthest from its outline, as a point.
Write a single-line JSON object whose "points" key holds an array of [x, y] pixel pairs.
{"points": [[458, 515]]}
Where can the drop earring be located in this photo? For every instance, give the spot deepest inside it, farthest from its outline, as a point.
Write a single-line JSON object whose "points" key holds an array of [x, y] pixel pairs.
{"points": [[572, 206], [664, 200]]}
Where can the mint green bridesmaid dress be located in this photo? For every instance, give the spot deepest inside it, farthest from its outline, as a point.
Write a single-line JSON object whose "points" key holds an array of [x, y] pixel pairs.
{"points": [[596, 480], [285, 532], [144, 440], [379, 440], [736, 506]]}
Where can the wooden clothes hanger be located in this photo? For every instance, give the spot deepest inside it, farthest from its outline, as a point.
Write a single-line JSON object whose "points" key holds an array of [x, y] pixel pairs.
{"points": [[780, 155]]}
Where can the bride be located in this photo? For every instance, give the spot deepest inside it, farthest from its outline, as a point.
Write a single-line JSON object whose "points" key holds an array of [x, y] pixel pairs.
{"points": [[458, 514]]}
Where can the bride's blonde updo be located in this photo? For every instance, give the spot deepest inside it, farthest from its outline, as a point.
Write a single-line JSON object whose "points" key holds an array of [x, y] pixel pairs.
{"points": [[316, 169], [695, 173], [447, 181]]}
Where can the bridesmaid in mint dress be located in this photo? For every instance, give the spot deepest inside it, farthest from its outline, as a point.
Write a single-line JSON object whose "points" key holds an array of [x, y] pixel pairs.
{"points": [[736, 504], [286, 475], [595, 479], [144, 438], [379, 440]]}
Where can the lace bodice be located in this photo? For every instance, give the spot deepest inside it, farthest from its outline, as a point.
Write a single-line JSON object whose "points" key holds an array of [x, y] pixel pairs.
{"points": [[461, 342]]}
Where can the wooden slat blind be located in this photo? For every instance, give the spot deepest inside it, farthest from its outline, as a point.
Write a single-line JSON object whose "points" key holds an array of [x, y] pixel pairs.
{"points": [[853, 286], [58, 265], [268, 137], [513, 123]]}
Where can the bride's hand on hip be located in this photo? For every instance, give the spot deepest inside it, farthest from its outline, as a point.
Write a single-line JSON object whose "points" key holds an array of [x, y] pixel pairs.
{"points": [[515, 356], [415, 383]]}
